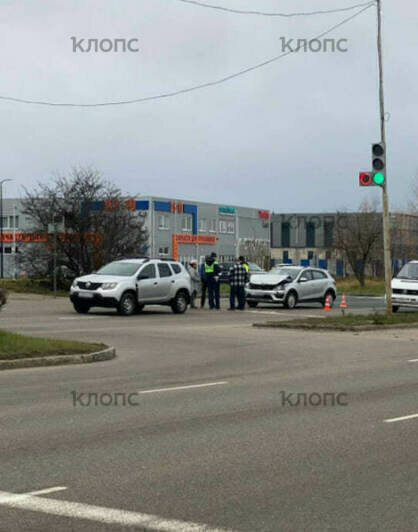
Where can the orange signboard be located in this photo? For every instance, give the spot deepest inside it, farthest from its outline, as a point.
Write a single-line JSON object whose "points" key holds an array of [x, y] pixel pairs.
{"points": [[43, 237], [184, 238]]}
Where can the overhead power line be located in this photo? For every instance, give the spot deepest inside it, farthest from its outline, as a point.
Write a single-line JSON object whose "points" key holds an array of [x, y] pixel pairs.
{"points": [[188, 89], [273, 14]]}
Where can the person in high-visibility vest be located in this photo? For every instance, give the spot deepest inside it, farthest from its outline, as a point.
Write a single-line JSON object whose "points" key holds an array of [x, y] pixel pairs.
{"points": [[212, 271], [244, 263]]}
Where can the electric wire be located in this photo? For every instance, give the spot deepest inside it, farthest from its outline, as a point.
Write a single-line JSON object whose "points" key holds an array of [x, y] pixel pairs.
{"points": [[178, 92]]}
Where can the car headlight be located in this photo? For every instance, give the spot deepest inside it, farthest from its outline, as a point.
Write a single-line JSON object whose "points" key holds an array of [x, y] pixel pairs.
{"points": [[75, 284], [109, 286]]}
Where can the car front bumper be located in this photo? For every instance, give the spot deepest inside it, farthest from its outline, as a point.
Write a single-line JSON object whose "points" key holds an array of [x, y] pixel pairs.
{"points": [[266, 296], [94, 299], [400, 300]]}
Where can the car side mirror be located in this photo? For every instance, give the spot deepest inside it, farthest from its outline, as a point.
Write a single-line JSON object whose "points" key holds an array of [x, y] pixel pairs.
{"points": [[303, 280]]}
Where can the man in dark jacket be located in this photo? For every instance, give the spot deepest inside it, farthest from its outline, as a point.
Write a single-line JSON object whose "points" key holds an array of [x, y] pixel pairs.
{"points": [[238, 276], [212, 271]]}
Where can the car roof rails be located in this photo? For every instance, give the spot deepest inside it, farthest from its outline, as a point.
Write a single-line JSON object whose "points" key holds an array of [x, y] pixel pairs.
{"points": [[142, 257]]}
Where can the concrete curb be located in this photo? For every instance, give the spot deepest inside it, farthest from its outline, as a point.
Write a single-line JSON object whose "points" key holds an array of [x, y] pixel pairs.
{"points": [[354, 328], [99, 356]]}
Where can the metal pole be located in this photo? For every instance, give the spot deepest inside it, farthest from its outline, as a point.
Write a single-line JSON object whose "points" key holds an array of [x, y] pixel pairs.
{"points": [[55, 259], [385, 198], [14, 241], [1, 227]]}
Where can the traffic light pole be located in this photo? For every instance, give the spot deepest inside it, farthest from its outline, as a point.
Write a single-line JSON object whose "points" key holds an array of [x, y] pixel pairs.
{"points": [[386, 218]]}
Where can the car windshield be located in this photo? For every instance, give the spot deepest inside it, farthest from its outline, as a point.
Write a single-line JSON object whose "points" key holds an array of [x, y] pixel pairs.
{"points": [[292, 272], [409, 271], [125, 269], [255, 267]]}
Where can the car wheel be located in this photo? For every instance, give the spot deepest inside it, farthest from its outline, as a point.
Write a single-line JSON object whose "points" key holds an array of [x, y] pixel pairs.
{"points": [[252, 304], [291, 300], [127, 304], [180, 302], [331, 296], [81, 308], [395, 308]]}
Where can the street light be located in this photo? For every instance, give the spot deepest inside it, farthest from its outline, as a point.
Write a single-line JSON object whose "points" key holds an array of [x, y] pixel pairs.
{"points": [[1, 226]]}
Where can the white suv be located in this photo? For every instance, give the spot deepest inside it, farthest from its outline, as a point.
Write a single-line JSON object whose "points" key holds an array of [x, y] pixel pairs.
{"points": [[130, 284], [405, 287]]}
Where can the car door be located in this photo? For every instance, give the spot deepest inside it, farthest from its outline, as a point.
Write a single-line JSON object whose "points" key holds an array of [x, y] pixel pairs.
{"points": [[147, 283], [165, 282], [306, 288], [320, 282]]}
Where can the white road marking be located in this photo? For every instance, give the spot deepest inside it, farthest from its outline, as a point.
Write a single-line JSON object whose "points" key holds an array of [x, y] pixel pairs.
{"points": [[184, 387], [100, 514], [6, 497], [403, 418], [413, 360], [80, 318]]}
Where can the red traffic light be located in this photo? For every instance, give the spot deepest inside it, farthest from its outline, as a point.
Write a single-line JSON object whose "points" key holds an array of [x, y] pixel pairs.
{"points": [[365, 179]]}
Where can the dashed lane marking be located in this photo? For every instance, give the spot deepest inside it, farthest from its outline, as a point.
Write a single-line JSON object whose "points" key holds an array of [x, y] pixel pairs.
{"points": [[188, 387]]}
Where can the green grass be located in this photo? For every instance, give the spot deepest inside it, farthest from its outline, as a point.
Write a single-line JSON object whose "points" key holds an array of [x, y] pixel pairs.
{"points": [[352, 286], [349, 322], [14, 346], [31, 286]]}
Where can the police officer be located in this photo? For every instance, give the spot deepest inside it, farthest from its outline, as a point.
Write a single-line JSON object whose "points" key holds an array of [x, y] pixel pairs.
{"points": [[212, 271]]}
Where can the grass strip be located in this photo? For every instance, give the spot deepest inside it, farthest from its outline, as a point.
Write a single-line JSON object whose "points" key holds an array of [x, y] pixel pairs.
{"points": [[15, 346]]}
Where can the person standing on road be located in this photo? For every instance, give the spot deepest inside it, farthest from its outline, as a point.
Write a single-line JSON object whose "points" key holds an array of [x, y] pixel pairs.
{"points": [[212, 271], [195, 282], [238, 276], [243, 261], [204, 284]]}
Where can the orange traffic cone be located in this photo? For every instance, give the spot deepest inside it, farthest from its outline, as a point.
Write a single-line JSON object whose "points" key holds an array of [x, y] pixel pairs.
{"points": [[327, 305], [343, 302]]}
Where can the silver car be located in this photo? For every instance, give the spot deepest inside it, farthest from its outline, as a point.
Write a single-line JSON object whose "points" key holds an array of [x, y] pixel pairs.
{"points": [[290, 285]]}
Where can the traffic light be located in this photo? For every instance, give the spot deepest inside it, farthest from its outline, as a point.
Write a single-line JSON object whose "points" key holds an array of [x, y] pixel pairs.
{"points": [[365, 179], [379, 163]]}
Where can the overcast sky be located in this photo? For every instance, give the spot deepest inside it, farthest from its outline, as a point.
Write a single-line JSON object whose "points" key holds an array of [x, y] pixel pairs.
{"points": [[291, 136]]}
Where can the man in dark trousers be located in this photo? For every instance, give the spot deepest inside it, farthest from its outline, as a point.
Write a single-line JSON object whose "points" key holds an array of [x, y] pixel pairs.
{"points": [[204, 283], [212, 271], [237, 278]]}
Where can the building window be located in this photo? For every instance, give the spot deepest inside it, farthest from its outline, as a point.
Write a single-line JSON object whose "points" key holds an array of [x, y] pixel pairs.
{"points": [[231, 227], [13, 222], [310, 255], [285, 235], [163, 222], [163, 250], [203, 225], [186, 223], [222, 226], [310, 235], [212, 225], [5, 222], [328, 234]]}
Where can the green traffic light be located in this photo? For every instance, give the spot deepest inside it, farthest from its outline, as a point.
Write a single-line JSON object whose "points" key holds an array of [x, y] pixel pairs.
{"points": [[379, 178]]}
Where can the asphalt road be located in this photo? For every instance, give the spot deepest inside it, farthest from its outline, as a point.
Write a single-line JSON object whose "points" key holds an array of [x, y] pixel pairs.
{"points": [[211, 436]]}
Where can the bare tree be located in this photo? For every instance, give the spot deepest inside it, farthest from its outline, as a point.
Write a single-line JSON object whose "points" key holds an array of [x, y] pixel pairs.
{"points": [[96, 224], [255, 250], [358, 236]]}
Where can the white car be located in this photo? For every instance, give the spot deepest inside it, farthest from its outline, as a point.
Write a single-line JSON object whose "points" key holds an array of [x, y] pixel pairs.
{"points": [[130, 284], [405, 287], [289, 285]]}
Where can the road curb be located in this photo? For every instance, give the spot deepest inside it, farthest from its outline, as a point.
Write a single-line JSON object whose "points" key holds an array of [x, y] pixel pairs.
{"points": [[335, 328], [98, 356]]}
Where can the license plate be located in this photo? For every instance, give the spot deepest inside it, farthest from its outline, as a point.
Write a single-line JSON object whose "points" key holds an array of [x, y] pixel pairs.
{"points": [[85, 295]]}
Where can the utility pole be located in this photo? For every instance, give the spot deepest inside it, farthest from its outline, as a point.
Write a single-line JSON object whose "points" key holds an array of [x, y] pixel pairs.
{"points": [[385, 198], [1, 228]]}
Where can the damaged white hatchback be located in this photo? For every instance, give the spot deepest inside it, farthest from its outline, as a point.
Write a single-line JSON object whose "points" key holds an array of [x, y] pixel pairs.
{"points": [[290, 285]]}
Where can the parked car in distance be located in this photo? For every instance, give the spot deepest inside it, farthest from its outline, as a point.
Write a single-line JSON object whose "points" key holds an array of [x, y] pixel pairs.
{"points": [[130, 284], [226, 266], [405, 287], [290, 285], [3, 297]]}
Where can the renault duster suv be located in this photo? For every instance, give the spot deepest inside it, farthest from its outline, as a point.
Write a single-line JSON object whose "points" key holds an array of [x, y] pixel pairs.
{"points": [[130, 284]]}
